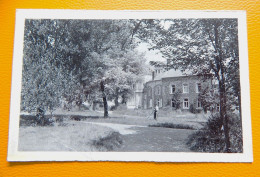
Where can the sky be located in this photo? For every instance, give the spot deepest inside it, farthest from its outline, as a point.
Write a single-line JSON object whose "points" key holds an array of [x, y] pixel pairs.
{"points": [[152, 55]]}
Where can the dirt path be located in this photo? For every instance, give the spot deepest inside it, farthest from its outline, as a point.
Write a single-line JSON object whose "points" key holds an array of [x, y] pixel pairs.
{"points": [[150, 139]]}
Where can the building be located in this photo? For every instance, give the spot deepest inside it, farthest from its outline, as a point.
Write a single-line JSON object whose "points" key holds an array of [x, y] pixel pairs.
{"points": [[135, 101], [174, 89]]}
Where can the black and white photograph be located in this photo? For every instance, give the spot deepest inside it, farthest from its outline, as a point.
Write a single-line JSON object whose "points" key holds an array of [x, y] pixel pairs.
{"points": [[163, 86]]}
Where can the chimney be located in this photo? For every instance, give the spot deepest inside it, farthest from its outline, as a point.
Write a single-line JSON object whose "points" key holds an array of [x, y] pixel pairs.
{"points": [[153, 75]]}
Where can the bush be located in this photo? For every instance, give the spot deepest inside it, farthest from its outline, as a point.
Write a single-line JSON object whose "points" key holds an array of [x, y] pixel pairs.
{"points": [[171, 125], [32, 120], [192, 109], [109, 143], [112, 108], [211, 138], [79, 118]]}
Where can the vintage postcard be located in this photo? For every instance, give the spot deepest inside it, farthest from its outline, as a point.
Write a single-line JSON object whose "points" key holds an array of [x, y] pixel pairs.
{"points": [[162, 86]]}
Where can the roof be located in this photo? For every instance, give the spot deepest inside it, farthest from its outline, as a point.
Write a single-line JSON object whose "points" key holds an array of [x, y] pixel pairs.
{"points": [[172, 73]]}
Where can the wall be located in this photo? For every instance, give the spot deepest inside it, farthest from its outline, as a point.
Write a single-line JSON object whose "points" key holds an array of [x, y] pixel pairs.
{"points": [[178, 82]]}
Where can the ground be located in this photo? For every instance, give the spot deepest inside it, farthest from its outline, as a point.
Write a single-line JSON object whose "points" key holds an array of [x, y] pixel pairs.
{"points": [[133, 134]]}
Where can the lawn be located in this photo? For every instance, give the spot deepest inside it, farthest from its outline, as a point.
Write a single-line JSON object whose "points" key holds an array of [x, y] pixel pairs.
{"points": [[68, 136], [196, 121], [89, 131]]}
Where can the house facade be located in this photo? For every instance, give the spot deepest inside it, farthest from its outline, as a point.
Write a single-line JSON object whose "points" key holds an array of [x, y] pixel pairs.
{"points": [[174, 90], [135, 100]]}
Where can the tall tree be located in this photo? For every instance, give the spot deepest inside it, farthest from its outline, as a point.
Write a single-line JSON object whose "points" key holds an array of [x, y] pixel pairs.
{"points": [[117, 62], [45, 80]]}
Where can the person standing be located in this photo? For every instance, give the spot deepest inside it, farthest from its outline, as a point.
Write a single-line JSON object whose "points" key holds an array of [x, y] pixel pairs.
{"points": [[156, 108]]}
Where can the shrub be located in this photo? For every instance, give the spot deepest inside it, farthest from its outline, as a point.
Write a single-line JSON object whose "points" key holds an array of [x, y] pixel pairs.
{"points": [[109, 143], [32, 120], [112, 108], [79, 117], [192, 109], [171, 125], [211, 137]]}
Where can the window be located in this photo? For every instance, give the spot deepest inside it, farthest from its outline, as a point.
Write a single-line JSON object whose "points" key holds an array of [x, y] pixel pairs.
{"points": [[185, 103], [159, 102], [185, 88], [172, 88], [198, 87], [151, 103], [150, 92], [199, 105], [158, 90], [173, 103]]}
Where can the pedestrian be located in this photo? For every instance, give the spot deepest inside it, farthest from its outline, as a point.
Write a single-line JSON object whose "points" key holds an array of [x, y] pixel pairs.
{"points": [[156, 108]]}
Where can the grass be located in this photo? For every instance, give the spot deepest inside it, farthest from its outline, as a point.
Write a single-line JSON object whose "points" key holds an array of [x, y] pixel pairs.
{"points": [[134, 117], [72, 136]]}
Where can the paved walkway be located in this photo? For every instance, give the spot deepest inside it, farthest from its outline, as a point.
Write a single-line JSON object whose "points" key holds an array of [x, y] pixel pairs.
{"points": [[150, 139]]}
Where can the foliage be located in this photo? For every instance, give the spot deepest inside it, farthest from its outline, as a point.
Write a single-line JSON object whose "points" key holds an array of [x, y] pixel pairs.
{"points": [[209, 98], [45, 79], [116, 65], [70, 61], [176, 96], [211, 138]]}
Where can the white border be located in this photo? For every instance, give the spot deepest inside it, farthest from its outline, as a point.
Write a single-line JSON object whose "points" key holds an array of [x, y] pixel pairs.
{"points": [[22, 14]]}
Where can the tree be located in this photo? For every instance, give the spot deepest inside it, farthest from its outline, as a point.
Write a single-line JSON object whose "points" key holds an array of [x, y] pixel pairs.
{"points": [[116, 61], [45, 80], [206, 47]]}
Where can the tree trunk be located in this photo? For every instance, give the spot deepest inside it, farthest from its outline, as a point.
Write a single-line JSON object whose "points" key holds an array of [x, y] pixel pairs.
{"points": [[40, 116], [223, 113], [116, 98], [94, 104], [102, 86], [222, 86], [123, 99]]}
